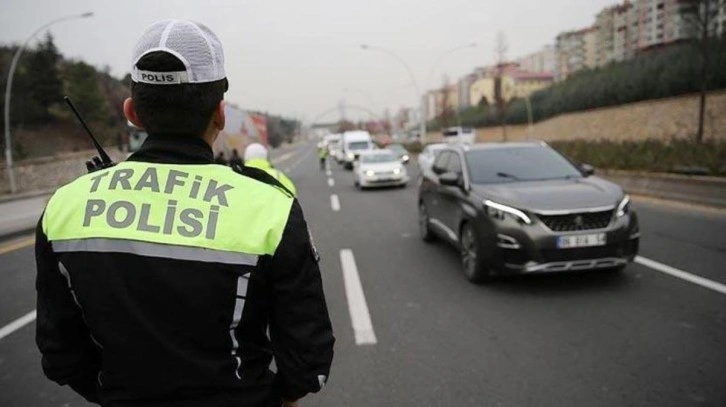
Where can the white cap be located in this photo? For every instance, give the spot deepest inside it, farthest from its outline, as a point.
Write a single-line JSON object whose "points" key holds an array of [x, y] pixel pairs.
{"points": [[192, 43], [255, 151]]}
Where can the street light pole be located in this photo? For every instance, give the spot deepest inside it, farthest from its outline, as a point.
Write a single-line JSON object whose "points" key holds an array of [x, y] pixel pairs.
{"points": [[8, 88], [419, 95], [530, 128]]}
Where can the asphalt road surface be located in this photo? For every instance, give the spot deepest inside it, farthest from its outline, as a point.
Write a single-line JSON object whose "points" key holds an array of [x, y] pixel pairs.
{"points": [[413, 332]]}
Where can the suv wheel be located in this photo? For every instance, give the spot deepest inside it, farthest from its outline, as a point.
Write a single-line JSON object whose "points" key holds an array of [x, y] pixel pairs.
{"points": [[475, 269], [423, 224]]}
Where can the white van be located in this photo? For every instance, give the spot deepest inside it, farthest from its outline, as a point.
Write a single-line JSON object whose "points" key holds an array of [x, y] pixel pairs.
{"points": [[465, 135], [355, 142]]}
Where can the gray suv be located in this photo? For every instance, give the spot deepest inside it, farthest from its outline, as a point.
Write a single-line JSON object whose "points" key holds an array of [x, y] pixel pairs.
{"points": [[519, 208]]}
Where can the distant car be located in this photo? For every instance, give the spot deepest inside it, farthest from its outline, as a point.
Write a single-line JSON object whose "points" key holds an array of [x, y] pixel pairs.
{"points": [[428, 154], [333, 142], [400, 151], [379, 168], [520, 208], [465, 135]]}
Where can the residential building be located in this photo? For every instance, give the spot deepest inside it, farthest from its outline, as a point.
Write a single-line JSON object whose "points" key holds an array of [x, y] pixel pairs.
{"points": [[540, 61], [464, 90], [516, 83], [575, 50]]}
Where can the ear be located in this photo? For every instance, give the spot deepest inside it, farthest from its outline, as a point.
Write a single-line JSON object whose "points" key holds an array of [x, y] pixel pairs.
{"points": [[130, 113], [219, 119]]}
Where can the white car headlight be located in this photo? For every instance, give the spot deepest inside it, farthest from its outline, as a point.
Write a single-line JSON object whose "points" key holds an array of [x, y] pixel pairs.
{"points": [[397, 171], [405, 157], [350, 155], [499, 211], [370, 173], [623, 207]]}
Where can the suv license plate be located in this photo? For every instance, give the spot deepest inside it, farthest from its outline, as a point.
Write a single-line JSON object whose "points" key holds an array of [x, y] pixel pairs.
{"points": [[568, 242]]}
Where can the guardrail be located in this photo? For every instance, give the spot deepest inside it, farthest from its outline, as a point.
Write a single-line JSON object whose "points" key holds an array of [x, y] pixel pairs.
{"points": [[702, 190]]}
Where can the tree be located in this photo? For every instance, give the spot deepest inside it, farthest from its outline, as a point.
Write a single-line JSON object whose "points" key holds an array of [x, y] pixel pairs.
{"points": [[501, 51], [45, 85], [701, 23], [447, 112], [83, 88]]}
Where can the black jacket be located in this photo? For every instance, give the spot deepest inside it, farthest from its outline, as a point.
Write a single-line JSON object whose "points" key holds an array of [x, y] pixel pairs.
{"points": [[124, 329]]}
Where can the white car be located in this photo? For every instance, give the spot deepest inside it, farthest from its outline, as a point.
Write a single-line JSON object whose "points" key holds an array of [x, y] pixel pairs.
{"points": [[379, 168], [428, 155], [465, 135]]}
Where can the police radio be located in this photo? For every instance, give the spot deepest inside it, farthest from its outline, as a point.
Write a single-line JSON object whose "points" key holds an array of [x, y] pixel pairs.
{"points": [[100, 161]]}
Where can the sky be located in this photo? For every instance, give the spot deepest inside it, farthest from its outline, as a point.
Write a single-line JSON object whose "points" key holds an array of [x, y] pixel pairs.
{"points": [[300, 58]]}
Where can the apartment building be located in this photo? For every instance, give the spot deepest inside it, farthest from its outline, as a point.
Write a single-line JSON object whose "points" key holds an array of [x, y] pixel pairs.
{"points": [[575, 50], [540, 61], [515, 84]]}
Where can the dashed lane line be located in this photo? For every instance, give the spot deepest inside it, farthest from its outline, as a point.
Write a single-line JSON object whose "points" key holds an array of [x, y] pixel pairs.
{"points": [[357, 306], [331, 182], [683, 275], [334, 202], [17, 324]]}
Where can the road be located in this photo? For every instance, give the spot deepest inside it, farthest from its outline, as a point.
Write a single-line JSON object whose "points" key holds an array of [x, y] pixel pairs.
{"points": [[642, 338]]}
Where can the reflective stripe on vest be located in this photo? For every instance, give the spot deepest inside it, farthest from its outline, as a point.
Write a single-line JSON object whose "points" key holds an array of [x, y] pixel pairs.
{"points": [[194, 206]]}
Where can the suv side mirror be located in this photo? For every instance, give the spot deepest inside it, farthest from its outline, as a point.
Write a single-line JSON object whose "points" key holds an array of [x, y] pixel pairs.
{"points": [[451, 179], [587, 169]]}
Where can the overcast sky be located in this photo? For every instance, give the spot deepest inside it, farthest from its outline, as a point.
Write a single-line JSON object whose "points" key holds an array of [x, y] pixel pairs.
{"points": [[301, 57]]}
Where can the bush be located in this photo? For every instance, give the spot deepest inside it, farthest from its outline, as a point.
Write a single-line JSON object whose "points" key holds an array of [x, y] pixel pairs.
{"points": [[652, 155]]}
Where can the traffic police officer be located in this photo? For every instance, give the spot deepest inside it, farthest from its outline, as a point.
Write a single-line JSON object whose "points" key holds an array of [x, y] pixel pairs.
{"points": [[257, 156], [168, 280]]}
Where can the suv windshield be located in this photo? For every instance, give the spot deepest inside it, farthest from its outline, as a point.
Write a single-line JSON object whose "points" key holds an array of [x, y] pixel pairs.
{"points": [[358, 145], [378, 158], [509, 164]]}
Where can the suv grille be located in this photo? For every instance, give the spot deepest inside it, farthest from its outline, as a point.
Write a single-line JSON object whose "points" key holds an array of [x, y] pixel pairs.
{"points": [[577, 221]]}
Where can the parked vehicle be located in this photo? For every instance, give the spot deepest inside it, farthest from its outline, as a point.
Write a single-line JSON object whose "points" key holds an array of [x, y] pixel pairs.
{"points": [[400, 151], [518, 208], [355, 142], [379, 168], [428, 154], [465, 135]]}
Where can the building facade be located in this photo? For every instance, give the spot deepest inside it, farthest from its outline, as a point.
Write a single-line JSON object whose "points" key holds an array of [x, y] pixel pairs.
{"points": [[515, 84], [540, 61], [574, 51]]}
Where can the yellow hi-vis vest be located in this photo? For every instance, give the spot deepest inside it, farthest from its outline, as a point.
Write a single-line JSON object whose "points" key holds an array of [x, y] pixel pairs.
{"points": [[192, 212]]}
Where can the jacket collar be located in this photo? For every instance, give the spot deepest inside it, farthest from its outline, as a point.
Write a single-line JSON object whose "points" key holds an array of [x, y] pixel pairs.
{"points": [[174, 149]]}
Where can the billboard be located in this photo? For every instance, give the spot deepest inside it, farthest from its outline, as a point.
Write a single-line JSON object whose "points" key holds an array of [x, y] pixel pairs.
{"points": [[241, 129]]}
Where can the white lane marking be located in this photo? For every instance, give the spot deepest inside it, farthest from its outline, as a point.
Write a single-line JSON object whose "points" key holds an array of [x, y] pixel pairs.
{"points": [[328, 173], [18, 323], [331, 182], [283, 157], [359, 315], [691, 278], [335, 202]]}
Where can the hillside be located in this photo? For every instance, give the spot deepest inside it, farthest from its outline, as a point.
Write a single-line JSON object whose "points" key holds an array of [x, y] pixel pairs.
{"points": [[41, 123]]}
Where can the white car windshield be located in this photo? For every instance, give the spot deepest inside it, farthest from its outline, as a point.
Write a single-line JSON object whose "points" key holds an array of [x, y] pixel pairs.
{"points": [[378, 158], [358, 145]]}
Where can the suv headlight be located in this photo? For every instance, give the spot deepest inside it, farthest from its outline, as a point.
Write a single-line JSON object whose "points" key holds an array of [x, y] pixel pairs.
{"points": [[500, 211], [370, 173], [396, 171], [623, 207]]}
